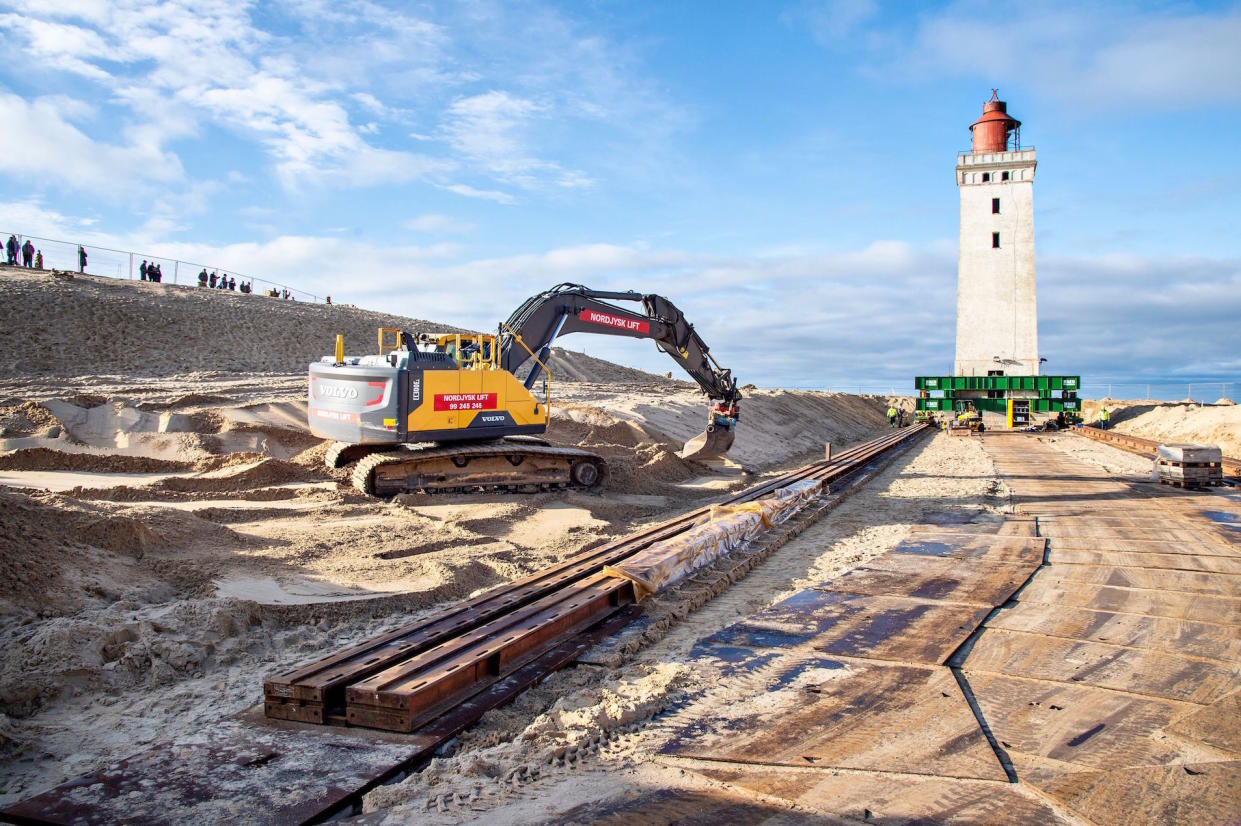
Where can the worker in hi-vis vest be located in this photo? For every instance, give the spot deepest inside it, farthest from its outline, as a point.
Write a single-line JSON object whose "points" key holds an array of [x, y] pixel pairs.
{"points": [[1104, 416], [892, 417]]}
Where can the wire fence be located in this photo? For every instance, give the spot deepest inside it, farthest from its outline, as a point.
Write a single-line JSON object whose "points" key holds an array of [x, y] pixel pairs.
{"points": [[1199, 392], [127, 264]]}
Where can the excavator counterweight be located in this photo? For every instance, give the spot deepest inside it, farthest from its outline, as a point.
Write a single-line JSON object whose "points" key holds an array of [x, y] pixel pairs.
{"points": [[438, 412]]}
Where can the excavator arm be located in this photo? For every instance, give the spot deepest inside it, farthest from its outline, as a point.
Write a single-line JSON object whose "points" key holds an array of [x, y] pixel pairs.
{"points": [[571, 308]]}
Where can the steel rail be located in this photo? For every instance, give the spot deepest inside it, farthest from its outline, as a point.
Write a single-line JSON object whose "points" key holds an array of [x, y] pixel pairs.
{"points": [[317, 692]]}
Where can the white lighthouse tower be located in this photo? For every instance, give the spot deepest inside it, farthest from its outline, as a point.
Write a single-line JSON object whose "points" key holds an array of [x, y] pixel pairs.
{"points": [[997, 315]]}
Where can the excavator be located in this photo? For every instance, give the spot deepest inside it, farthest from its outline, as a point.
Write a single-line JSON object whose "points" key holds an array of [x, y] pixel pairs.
{"points": [[446, 412]]}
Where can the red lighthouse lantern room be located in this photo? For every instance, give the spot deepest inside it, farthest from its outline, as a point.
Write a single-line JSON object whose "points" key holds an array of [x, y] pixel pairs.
{"points": [[991, 132]]}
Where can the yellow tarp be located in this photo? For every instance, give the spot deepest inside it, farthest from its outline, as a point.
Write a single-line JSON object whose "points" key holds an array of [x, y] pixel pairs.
{"points": [[728, 528]]}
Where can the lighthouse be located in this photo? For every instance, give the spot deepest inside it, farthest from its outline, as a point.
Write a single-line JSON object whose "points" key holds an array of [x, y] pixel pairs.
{"points": [[997, 368], [997, 311]]}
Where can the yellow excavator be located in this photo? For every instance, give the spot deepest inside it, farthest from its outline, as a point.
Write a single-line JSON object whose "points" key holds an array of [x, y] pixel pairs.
{"points": [[446, 412]]}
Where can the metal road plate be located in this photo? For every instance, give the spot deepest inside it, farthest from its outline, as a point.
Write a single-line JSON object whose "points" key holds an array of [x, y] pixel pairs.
{"points": [[926, 577], [877, 798], [1048, 589], [873, 627], [998, 549], [1162, 579], [1179, 562], [1112, 534], [1013, 526], [864, 716], [1205, 547], [1153, 521], [1090, 727], [690, 807], [1188, 793], [230, 772], [1139, 670], [1195, 639], [1218, 725]]}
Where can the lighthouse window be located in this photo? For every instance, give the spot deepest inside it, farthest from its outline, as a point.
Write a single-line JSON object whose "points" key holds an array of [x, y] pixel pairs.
{"points": [[986, 177], [1003, 176], [995, 206], [995, 240]]}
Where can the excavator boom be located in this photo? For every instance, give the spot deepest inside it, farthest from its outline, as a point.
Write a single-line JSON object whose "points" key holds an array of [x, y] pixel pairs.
{"points": [[572, 308]]}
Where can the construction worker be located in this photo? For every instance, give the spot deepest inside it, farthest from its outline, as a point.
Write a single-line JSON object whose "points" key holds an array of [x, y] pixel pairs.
{"points": [[1104, 416], [892, 417], [900, 417]]}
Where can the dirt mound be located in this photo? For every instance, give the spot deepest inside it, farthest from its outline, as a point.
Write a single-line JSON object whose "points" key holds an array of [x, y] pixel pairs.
{"points": [[43, 458], [117, 650], [166, 330], [264, 473], [1175, 422], [25, 419], [640, 459]]}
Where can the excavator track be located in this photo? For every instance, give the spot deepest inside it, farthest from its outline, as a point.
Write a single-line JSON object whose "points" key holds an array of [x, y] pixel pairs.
{"points": [[509, 465], [340, 454]]}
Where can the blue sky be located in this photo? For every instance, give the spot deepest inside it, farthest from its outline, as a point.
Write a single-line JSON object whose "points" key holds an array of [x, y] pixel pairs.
{"points": [[783, 172]]}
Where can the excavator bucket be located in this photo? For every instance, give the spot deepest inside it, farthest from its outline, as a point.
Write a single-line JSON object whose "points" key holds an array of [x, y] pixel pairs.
{"points": [[712, 444]]}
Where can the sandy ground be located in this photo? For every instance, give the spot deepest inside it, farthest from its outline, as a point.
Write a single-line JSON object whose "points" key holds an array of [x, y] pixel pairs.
{"points": [[1213, 424], [595, 729], [170, 540]]}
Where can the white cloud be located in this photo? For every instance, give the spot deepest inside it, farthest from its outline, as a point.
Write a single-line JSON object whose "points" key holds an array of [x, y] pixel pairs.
{"points": [[484, 194], [1101, 55], [489, 129], [59, 43], [38, 144], [435, 223]]}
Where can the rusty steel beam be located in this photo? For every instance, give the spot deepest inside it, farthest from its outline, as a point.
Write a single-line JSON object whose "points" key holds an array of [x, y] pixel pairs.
{"points": [[416, 691]]}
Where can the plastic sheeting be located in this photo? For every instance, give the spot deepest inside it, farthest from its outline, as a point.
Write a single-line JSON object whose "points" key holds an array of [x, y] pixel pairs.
{"points": [[727, 529]]}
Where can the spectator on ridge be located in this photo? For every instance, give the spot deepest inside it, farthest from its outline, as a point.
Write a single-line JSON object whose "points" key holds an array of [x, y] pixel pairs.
{"points": [[142, 271], [11, 249], [38, 259], [81, 258], [202, 278], [28, 254], [213, 279], [159, 274], [232, 284]]}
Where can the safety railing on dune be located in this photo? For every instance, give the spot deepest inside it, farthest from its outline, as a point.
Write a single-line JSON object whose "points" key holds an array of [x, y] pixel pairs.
{"points": [[126, 264]]}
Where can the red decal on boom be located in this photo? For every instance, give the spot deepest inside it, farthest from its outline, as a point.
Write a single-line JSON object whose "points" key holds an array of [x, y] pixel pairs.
{"points": [[467, 401], [620, 322]]}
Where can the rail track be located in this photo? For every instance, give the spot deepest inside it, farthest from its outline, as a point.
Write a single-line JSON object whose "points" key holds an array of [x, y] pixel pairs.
{"points": [[416, 674], [1147, 447]]}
